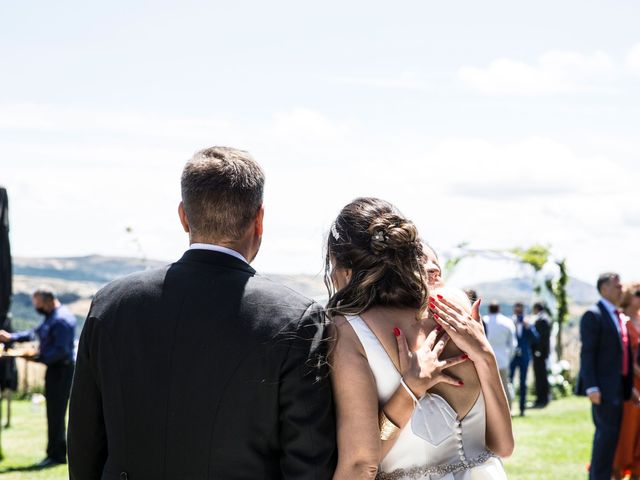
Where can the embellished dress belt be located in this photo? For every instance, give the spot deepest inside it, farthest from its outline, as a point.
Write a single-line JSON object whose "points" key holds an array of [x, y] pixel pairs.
{"points": [[416, 473]]}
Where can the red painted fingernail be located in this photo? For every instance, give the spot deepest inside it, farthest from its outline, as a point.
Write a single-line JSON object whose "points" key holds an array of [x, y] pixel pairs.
{"points": [[396, 331], [440, 297], [464, 356], [436, 315], [431, 299], [461, 383], [432, 306]]}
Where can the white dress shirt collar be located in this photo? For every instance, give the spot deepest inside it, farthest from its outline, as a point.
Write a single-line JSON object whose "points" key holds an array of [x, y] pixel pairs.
{"points": [[609, 306], [217, 248]]}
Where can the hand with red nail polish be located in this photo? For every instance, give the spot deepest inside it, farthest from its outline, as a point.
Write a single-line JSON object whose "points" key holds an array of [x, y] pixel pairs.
{"points": [[423, 368], [463, 325]]}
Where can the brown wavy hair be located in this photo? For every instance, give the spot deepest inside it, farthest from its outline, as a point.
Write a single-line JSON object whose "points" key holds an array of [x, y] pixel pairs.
{"points": [[385, 254], [628, 291]]}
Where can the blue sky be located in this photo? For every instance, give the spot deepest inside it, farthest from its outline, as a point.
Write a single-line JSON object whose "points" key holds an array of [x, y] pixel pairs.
{"points": [[497, 123]]}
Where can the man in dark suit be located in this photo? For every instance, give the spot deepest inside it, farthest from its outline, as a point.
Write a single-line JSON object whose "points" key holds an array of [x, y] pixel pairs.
{"points": [[204, 369], [541, 354], [605, 371], [526, 335]]}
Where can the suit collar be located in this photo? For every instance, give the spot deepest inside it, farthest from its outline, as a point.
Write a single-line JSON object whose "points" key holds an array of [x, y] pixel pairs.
{"points": [[605, 312], [603, 309], [607, 309], [216, 258]]}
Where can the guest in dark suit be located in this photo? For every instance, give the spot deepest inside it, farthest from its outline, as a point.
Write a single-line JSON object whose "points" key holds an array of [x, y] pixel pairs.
{"points": [[526, 336], [541, 351], [605, 371], [204, 369]]}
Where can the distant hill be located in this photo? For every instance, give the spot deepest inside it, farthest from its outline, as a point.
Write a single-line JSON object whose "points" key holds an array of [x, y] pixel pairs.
{"points": [[521, 289], [76, 279], [91, 268]]}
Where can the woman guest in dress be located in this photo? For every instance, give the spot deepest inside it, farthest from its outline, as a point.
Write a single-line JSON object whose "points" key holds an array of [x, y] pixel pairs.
{"points": [[627, 460]]}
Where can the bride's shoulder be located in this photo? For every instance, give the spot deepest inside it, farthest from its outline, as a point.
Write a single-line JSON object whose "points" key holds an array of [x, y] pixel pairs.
{"points": [[343, 334], [340, 322]]}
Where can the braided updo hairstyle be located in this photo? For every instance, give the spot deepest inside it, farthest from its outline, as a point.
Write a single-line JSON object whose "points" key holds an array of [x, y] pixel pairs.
{"points": [[385, 254]]}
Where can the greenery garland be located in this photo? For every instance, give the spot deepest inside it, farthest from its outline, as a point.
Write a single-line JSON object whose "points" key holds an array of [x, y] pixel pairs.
{"points": [[536, 256]]}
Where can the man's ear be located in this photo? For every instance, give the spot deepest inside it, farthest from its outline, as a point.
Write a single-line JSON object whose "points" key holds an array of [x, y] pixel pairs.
{"points": [[183, 218], [258, 223]]}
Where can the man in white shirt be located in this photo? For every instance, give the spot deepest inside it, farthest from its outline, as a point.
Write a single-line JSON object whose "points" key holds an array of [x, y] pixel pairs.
{"points": [[501, 333]]}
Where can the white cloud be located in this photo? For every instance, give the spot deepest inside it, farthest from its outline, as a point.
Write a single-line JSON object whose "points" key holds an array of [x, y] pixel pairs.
{"points": [[555, 72], [496, 194], [633, 59], [529, 167], [407, 80], [46, 118]]}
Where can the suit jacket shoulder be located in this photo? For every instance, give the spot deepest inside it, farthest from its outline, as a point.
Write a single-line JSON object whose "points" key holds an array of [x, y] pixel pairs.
{"points": [[131, 288]]}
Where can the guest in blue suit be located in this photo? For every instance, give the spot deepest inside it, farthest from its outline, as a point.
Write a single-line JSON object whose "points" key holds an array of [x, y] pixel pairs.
{"points": [[56, 335], [606, 369], [526, 336]]}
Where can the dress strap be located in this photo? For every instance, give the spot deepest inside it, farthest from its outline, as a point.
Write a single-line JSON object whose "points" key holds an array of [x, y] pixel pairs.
{"points": [[369, 340]]}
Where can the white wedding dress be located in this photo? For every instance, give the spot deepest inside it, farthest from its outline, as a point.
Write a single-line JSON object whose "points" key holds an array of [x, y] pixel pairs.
{"points": [[434, 445]]}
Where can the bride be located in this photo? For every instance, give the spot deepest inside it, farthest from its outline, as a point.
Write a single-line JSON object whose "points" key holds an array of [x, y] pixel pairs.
{"points": [[409, 403]]}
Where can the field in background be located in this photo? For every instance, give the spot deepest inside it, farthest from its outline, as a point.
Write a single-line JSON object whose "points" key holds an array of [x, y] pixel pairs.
{"points": [[551, 444]]}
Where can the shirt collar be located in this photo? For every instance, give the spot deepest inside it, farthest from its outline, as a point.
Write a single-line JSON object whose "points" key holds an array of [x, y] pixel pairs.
{"points": [[218, 248], [611, 308]]}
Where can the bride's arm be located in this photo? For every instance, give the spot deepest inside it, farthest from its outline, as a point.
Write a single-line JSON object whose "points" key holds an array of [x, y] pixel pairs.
{"points": [[468, 334], [499, 434], [356, 401]]}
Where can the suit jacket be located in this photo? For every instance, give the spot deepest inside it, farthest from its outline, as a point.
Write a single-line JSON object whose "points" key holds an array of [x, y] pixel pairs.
{"points": [[201, 370], [527, 337], [601, 357], [542, 347]]}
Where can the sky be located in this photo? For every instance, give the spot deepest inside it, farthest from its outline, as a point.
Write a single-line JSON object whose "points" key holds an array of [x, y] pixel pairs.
{"points": [[497, 123]]}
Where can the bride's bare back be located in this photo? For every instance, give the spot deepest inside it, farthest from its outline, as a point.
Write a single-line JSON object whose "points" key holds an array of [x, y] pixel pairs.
{"points": [[382, 321]]}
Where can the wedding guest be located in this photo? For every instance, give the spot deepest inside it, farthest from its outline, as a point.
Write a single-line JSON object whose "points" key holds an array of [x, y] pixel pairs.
{"points": [[628, 453], [56, 335], [501, 333], [204, 369], [526, 336], [606, 370], [541, 351]]}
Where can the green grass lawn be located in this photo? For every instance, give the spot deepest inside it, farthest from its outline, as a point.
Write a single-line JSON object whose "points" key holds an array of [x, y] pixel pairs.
{"points": [[25, 443], [554, 443]]}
